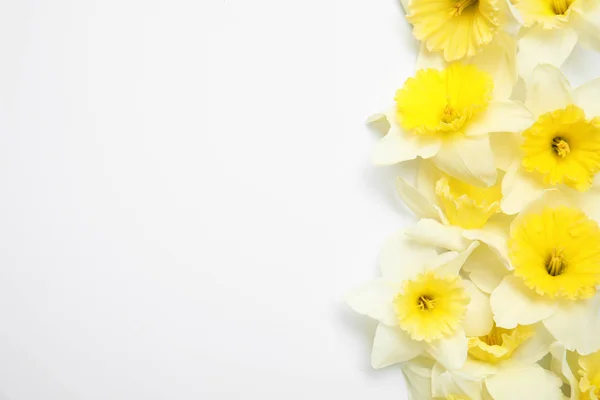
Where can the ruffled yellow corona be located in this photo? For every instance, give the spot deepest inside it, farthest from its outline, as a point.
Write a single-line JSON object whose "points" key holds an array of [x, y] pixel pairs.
{"points": [[465, 205], [442, 102], [431, 306], [590, 376], [458, 28], [564, 147], [557, 253], [499, 344]]}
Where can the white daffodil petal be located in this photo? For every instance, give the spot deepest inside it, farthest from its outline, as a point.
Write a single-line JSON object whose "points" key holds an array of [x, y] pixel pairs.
{"points": [[469, 159], [446, 383], [524, 383], [418, 378], [586, 22], [514, 304], [451, 352], [588, 202], [485, 269], [587, 96], [534, 348], [398, 146], [427, 176], [402, 258], [547, 90], [379, 122], [432, 233], [391, 346], [451, 262], [501, 116], [498, 59], [479, 319], [415, 200], [375, 299], [430, 59], [560, 366], [519, 188], [547, 46], [506, 149], [576, 325]]}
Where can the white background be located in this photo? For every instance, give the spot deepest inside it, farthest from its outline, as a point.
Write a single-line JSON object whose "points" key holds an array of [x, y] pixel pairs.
{"points": [[186, 195]]}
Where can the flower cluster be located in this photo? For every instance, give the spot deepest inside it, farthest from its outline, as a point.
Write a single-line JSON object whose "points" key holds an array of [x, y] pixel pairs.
{"points": [[493, 293]]}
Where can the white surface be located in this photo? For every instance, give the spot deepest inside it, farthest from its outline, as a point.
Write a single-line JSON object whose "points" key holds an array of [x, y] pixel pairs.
{"points": [[186, 194]]}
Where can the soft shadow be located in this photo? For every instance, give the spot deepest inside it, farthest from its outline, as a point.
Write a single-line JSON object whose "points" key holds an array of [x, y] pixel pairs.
{"points": [[381, 180]]}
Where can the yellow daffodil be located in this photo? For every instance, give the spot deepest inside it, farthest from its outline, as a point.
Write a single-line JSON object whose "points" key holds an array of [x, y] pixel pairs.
{"points": [[457, 28], [422, 304], [452, 214], [561, 149], [553, 28], [555, 252], [447, 115]]}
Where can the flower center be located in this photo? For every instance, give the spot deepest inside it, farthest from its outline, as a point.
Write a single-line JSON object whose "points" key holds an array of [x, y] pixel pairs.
{"points": [[556, 264], [426, 303], [560, 7], [560, 146], [449, 115], [564, 147], [462, 5], [430, 306], [556, 252]]}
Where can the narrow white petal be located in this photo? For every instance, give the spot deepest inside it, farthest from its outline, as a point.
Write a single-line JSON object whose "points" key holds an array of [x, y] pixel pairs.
{"points": [[538, 45], [391, 346], [402, 258], [418, 378], [451, 352], [398, 146], [431, 232], [427, 176], [547, 90], [501, 116], [451, 262], [478, 319], [515, 304], [415, 200], [469, 159], [519, 188], [576, 324], [587, 96], [560, 366], [375, 299], [524, 383]]}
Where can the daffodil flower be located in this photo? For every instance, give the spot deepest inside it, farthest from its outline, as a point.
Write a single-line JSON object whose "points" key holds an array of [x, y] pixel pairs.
{"points": [[561, 149], [553, 28], [457, 28], [453, 214], [582, 373], [422, 305], [554, 249], [447, 116], [514, 355]]}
